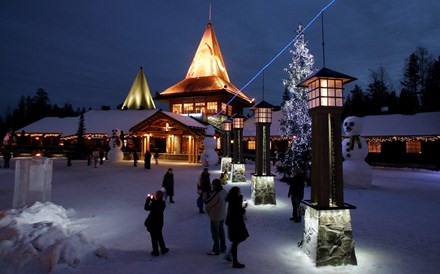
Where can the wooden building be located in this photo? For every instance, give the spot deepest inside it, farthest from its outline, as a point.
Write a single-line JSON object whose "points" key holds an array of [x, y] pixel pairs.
{"points": [[206, 89]]}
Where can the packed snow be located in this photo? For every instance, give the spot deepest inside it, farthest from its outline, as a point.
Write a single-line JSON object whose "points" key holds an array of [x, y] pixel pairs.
{"points": [[94, 224]]}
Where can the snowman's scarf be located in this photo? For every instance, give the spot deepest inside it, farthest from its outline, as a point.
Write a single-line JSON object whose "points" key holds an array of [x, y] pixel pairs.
{"points": [[355, 139]]}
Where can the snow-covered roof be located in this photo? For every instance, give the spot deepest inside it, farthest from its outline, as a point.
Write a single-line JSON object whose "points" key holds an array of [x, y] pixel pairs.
{"points": [[102, 121], [55, 125], [420, 124], [184, 119]]}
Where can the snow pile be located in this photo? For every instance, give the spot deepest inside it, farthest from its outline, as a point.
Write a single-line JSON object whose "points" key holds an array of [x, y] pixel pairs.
{"points": [[39, 237]]}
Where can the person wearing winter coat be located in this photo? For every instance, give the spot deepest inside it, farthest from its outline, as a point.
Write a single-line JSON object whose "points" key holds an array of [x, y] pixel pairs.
{"points": [[224, 177], [168, 184], [154, 222], [237, 230], [296, 194], [216, 209], [147, 162], [135, 158]]}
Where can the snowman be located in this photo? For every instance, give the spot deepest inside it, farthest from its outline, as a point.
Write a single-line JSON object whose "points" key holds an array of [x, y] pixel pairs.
{"points": [[115, 143], [209, 156], [357, 173]]}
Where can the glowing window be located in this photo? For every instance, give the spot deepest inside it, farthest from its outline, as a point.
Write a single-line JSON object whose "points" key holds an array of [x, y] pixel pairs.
{"points": [[414, 147], [188, 108], [211, 107], [251, 144], [177, 108], [374, 147], [200, 107]]}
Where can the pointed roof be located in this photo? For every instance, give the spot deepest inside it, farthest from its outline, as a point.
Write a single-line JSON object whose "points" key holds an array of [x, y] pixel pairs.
{"points": [[207, 72], [208, 60], [139, 96]]}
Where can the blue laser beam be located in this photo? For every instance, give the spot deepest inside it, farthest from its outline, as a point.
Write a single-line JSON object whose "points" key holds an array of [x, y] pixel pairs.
{"points": [[279, 53]]}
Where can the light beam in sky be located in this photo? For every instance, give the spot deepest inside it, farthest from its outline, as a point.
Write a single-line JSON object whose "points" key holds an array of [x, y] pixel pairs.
{"points": [[279, 53]]}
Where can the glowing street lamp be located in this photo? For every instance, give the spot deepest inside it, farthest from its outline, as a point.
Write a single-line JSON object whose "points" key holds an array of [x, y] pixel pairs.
{"points": [[263, 182], [263, 119], [237, 124], [227, 128], [325, 100], [238, 169], [326, 207]]}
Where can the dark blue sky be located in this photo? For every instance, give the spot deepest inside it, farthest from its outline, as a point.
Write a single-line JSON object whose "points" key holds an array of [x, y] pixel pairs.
{"points": [[89, 52]]}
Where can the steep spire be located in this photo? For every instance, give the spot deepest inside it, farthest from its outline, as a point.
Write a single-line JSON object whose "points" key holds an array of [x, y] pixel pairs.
{"points": [[208, 60], [139, 96]]}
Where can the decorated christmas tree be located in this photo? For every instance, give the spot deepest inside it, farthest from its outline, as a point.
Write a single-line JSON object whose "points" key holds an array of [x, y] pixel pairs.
{"points": [[296, 121]]}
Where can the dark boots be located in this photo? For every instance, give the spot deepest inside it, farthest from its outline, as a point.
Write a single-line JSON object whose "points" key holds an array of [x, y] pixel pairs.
{"points": [[235, 263]]}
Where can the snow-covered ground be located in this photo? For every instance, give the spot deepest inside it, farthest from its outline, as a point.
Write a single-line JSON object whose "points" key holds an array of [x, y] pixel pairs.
{"points": [[95, 225]]}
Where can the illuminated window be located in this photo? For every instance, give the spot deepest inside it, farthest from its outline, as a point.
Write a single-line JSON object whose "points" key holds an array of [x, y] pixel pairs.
{"points": [[374, 147], [251, 144], [177, 108], [227, 110], [211, 107], [200, 107], [188, 108], [414, 147]]}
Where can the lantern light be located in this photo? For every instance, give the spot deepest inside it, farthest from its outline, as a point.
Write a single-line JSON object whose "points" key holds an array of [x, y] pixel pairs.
{"points": [[325, 88], [238, 121], [263, 112], [227, 125]]}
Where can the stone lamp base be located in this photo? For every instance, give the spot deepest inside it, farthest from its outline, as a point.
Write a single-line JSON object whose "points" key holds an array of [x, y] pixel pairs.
{"points": [[328, 236], [263, 190]]}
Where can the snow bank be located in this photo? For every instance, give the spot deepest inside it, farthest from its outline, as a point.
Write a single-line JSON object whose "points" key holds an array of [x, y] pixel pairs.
{"points": [[37, 238]]}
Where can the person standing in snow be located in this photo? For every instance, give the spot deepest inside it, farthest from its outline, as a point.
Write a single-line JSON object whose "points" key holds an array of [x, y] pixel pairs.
{"points": [[237, 230], [156, 157], [296, 193], [168, 184], [205, 181], [147, 162], [224, 177], [216, 209], [154, 222], [135, 158], [6, 158]]}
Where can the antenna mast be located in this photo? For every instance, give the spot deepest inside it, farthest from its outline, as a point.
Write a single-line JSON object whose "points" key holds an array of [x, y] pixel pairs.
{"points": [[263, 85], [322, 37], [210, 12]]}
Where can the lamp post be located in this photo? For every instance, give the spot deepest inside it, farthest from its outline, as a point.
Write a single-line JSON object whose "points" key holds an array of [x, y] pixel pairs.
{"points": [[327, 207], [237, 123], [226, 159], [263, 183], [227, 128], [238, 167]]}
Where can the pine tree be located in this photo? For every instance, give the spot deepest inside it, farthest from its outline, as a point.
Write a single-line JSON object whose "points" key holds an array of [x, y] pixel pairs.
{"points": [[296, 121], [356, 103], [431, 96], [80, 142], [411, 82], [379, 91]]}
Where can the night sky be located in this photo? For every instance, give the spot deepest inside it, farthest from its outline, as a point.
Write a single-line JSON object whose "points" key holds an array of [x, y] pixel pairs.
{"points": [[89, 52]]}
